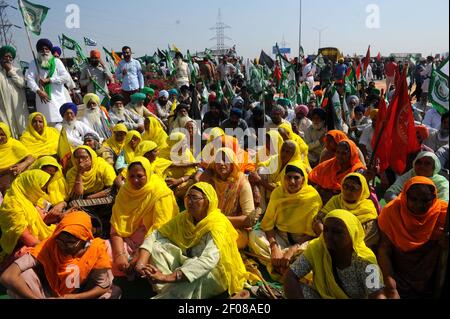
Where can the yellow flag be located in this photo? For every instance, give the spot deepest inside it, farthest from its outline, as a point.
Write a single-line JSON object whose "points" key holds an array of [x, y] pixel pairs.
{"points": [[175, 48]]}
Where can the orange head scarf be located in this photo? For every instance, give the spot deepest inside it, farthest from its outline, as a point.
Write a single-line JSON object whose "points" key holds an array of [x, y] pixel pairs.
{"points": [[328, 174], [338, 136], [58, 267], [408, 231]]}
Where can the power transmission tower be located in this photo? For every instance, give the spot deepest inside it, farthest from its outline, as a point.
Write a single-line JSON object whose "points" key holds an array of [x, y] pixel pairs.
{"points": [[6, 37], [220, 34]]}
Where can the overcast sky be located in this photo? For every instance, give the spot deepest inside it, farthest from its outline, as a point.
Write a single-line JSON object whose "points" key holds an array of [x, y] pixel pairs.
{"points": [[405, 26]]}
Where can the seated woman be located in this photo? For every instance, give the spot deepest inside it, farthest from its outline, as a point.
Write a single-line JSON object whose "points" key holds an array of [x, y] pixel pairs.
{"points": [[46, 271], [354, 198], [154, 132], [132, 141], [427, 165], [39, 139], [22, 215], [150, 151], [287, 224], [234, 191], [194, 137], [327, 176], [412, 239], [271, 147], [90, 183], [194, 256], [57, 190], [184, 164], [142, 205], [15, 158], [339, 261], [314, 135], [332, 139], [117, 141], [287, 133], [269, 173]]}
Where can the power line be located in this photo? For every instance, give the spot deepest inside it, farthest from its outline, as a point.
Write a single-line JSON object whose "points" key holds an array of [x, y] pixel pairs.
{"points": [[220, 33]]}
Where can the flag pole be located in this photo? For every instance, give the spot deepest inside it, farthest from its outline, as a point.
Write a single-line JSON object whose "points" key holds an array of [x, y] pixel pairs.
{"points": [[31, 46], [378, 139]]}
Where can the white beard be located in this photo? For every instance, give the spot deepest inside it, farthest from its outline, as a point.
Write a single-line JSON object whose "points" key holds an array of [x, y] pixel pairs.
{"points": [[94, 116], [44, 59], [120, 112], [70, 125]]}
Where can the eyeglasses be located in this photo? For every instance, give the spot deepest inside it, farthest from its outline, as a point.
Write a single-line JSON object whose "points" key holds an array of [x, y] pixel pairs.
{"points": [[194, 198]]}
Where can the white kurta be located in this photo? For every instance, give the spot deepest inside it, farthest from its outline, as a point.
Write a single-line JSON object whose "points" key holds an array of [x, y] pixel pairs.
{"points": [[58, 96], [13, 103]]}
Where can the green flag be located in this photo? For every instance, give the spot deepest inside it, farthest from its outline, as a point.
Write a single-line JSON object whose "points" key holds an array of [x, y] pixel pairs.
{"points": [[71, 44], [194, 74], [170, 64], [438, 92], [33, 15]]}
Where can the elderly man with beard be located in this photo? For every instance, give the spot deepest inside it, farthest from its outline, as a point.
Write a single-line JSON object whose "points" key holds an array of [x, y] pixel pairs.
{"points": [[163, 106], [96, 70], [119, 114], [13, 104], [96, 117], [48, 82], [76, 130]]}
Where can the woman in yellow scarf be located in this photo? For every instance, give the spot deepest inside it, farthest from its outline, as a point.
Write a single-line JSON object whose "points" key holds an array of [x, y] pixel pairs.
{"points": [[40, 139], [343, 266], [90, 174], [15, 158], [287, 133], [22, 213], [150, 151], [117, 141], [195, 255], [154, 132], [132, 141], [287, 224], [354, 197], [143, 204], [234, 191], [71, 264], [183, 166], [57, 187], [271, 147]]}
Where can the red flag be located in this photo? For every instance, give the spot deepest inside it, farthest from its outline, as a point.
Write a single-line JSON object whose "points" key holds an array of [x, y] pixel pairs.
{"points": [[381, 150], [358, 72], [379, 56], [367, 60], [277, 73], [399, 133]]}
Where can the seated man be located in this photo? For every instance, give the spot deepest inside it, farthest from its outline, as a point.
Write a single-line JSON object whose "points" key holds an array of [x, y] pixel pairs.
{"points": [[119, 114]]}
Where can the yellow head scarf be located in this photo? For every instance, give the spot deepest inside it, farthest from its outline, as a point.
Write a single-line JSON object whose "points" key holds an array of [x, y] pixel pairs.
{"points": [[13, 151], [301, 144], [320, 260], [159, 165], [40, 145], [133, 207], [276, 141], [183, 233], [101, 175], [112, 143], [57, 188], [364, 208], [171, 153], [18, 211], [155, 133], [91, 97], [215, 133], [292, 213], [128, 151]]}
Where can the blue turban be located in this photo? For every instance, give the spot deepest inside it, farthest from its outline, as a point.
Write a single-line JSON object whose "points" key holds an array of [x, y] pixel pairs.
{"points": [[63, 109], [56, 49], [163, 93], [43, 43], [236, 111], [173, 92]]}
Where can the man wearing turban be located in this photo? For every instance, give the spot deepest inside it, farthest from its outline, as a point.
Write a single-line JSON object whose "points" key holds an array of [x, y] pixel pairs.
{"points": [[76, 130], [47, 81], [96, 116], [13, 104], [96, 70]]}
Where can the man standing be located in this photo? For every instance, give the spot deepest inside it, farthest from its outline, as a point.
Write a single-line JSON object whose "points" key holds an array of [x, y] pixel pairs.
{"points": [[390, 70], [96, 70], [225, 69], [308, 73], [426, 75], [129, 72], [183, 75], [13, 104], [48, 82]]}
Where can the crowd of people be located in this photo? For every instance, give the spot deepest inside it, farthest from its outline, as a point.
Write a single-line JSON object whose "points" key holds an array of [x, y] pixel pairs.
{"points": [[189, 185]]}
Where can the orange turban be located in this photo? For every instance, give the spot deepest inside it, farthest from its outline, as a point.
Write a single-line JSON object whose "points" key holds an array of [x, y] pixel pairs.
{"points": [[95, 54]]}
